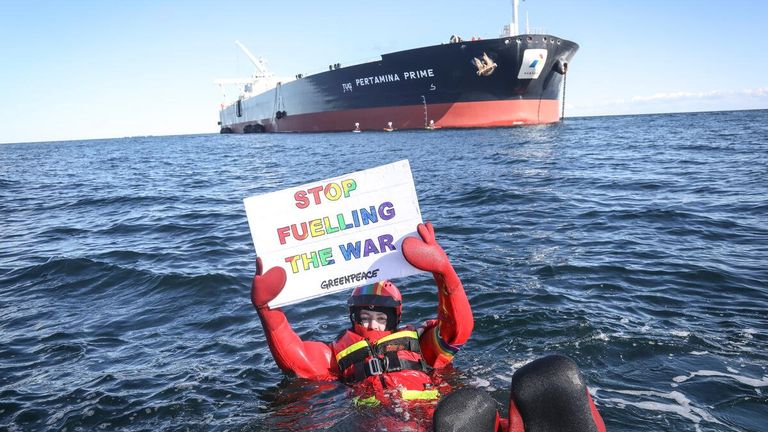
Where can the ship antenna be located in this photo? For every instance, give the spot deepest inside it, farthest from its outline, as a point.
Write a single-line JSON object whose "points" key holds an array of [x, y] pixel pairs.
{"points": [[527, 28]]}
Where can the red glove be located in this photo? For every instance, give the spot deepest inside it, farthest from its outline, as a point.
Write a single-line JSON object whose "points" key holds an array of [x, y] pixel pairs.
{"points": [[426, 254], [266, 287], [454, 315]]}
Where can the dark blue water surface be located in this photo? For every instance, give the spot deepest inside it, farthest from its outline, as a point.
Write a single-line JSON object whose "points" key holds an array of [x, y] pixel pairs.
{"points": [[636, 245]]}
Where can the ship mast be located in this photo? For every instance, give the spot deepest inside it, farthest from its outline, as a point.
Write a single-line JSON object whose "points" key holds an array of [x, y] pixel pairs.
{"points": [[513, 25], [511, 29]]}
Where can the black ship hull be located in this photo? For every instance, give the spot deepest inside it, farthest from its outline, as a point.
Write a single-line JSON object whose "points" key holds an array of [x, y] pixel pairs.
{"points": [[486, 83]]}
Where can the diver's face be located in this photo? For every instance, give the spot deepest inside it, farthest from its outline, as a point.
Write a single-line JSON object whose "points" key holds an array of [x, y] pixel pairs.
{"points": [[373, 320]]}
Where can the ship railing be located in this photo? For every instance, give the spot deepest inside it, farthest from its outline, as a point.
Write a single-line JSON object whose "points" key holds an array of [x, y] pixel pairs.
{"points": [[536, 30], [341, 65]]}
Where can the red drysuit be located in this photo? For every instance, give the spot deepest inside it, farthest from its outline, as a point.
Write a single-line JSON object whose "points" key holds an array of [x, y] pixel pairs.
{"points": [[399, 362]]}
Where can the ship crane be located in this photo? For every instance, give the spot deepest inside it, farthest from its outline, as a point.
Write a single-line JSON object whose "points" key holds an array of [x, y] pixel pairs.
{"points": [[260, 64], [250, 85]]}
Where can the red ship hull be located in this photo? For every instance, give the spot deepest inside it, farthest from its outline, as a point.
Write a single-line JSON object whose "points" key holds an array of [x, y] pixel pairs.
{"points": [[456, 115]]}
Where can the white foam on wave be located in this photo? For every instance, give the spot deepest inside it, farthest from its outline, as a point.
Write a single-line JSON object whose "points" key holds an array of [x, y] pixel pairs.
{"points": [[516, 364], [672, 402], [754, 382], [598, 336], [680, 333], [481, 383]]}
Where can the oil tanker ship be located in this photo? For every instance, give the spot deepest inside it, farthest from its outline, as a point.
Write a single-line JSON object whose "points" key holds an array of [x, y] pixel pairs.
{"points": [[516, 79]]}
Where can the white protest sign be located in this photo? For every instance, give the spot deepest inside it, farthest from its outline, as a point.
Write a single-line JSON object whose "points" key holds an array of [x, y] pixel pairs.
{"points": [[336, 234]]}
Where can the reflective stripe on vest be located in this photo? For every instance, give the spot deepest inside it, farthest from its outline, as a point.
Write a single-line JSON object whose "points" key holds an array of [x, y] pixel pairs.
{"points": [[368, 361], [348, 350], [419, 394], [410, 395], [366, 402], [397, 335]]}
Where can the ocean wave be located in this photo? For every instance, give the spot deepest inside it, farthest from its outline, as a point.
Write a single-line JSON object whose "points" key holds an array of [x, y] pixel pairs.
{"points": [[752, 382], [673, 402], [631, 244], [118, 201]]}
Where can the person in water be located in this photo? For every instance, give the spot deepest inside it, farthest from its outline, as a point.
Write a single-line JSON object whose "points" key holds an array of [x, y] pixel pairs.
{"points": [[380, 358], [383, 360]]}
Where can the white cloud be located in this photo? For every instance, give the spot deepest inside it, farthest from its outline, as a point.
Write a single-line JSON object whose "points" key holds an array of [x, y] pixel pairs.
{"points": [[714, 94], [715, 100], [760, 92]]}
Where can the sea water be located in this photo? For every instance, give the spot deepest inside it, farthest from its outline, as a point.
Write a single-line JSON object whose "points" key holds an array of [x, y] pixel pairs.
{"points": [[636, 245]]}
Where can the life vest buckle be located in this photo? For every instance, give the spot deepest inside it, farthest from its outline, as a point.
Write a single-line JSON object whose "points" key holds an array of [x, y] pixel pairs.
{"points": [[374, 366]]}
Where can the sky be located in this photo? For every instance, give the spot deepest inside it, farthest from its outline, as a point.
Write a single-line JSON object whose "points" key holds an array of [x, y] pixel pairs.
{"points": [[82, 69]]}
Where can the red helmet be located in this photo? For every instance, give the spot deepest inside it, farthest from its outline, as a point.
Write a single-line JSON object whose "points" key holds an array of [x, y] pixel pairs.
{"points": [[382, 294]]}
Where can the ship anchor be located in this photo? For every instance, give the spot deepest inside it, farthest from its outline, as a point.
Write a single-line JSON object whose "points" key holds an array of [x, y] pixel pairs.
{"points": [[485, 67]]}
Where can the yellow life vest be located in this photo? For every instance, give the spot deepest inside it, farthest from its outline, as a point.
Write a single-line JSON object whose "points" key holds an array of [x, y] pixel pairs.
{"points": [[381, 357]]}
